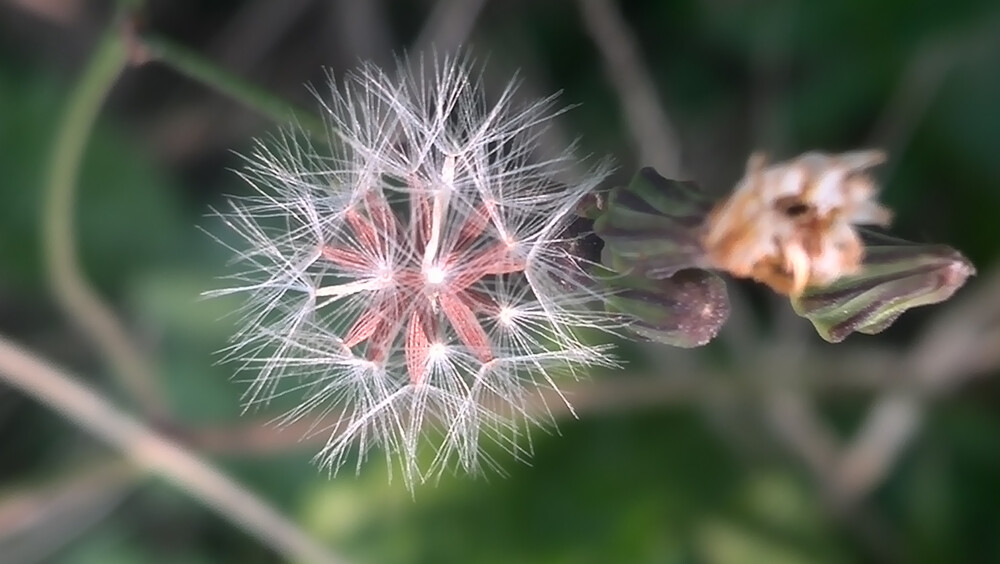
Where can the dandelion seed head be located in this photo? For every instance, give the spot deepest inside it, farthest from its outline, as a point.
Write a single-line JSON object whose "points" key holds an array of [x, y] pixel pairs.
{"points": [[412, 278]]}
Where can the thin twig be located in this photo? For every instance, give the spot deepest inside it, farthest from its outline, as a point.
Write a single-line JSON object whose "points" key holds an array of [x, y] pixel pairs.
{"points": [[449, 25], [37, 522], [196, 67], [859, 373], [654, 135], [921, 82], [78, 299], [964, 341], [83, 406], [254, 30]]}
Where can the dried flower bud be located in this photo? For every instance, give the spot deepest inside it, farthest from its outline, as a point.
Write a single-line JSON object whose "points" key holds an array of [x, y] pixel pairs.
{"points": [[791, 225]]}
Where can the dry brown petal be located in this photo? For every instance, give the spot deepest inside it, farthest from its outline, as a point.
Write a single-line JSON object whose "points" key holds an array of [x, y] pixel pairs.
{"points": [[791, 225]]}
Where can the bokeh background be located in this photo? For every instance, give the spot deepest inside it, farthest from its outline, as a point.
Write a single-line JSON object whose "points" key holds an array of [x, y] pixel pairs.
{"points": [[767, 446]]}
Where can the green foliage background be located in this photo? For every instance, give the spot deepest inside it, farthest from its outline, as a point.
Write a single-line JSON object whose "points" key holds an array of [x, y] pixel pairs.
{"points": [[668, 483]]}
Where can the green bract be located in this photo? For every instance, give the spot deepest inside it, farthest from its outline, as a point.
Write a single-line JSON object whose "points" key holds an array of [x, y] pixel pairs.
{"points": [[897, 275]]}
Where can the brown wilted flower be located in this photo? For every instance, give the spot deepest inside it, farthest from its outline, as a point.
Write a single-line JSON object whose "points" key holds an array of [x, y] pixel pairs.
{"points": [[791, 225], [794, 226]]}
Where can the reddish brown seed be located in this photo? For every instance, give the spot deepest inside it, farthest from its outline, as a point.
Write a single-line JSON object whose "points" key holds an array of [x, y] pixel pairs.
{"points": [[382, 338], [364, 327], [470, 331], [363, 228], [420, 218], [385, 222], [347, 259], [473, 267], [473, 227], [417, 349]]}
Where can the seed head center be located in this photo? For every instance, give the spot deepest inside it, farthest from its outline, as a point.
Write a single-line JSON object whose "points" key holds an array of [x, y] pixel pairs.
{"points": [[385, 275], [506, 315], [434, 274], [437, 351]]}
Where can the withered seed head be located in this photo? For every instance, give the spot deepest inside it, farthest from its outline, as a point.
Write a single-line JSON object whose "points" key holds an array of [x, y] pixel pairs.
{"points": [[790, 225]]}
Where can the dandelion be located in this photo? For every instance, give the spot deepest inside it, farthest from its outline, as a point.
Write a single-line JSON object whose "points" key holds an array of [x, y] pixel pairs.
{"points": [[415, 279]]}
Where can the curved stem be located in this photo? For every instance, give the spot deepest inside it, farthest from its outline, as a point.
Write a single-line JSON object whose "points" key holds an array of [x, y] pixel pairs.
{"points": [[86, 407], [151, 451], [68, 282]]}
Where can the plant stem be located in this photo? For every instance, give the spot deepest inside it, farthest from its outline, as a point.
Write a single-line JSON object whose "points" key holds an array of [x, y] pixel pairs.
{"points": [[155, 453], [68, 283], [196, 67], [83, 405]]}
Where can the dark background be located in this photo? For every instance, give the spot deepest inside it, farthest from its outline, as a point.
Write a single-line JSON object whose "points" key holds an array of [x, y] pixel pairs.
{"points": [[725, 455]]}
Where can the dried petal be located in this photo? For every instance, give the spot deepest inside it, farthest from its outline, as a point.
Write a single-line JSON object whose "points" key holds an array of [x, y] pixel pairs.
{"points": [[790, 225]]}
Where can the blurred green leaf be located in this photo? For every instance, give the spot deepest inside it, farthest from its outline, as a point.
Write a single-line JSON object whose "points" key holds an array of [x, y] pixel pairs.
{"points": [[621, 489], [721, 542], [171, 298], [128, 216]]}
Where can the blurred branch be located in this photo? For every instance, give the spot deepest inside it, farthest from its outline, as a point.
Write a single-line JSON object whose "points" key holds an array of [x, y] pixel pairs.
{"points": [[97, 321], [654, 135], [36, 522], [449, 25], [254, 30], [199, 69], [962, 342], [921, 81], [361, 29], [862, 372], [61, 12], [918, 87], [149, 450], [798, 426], [887, 430]]}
